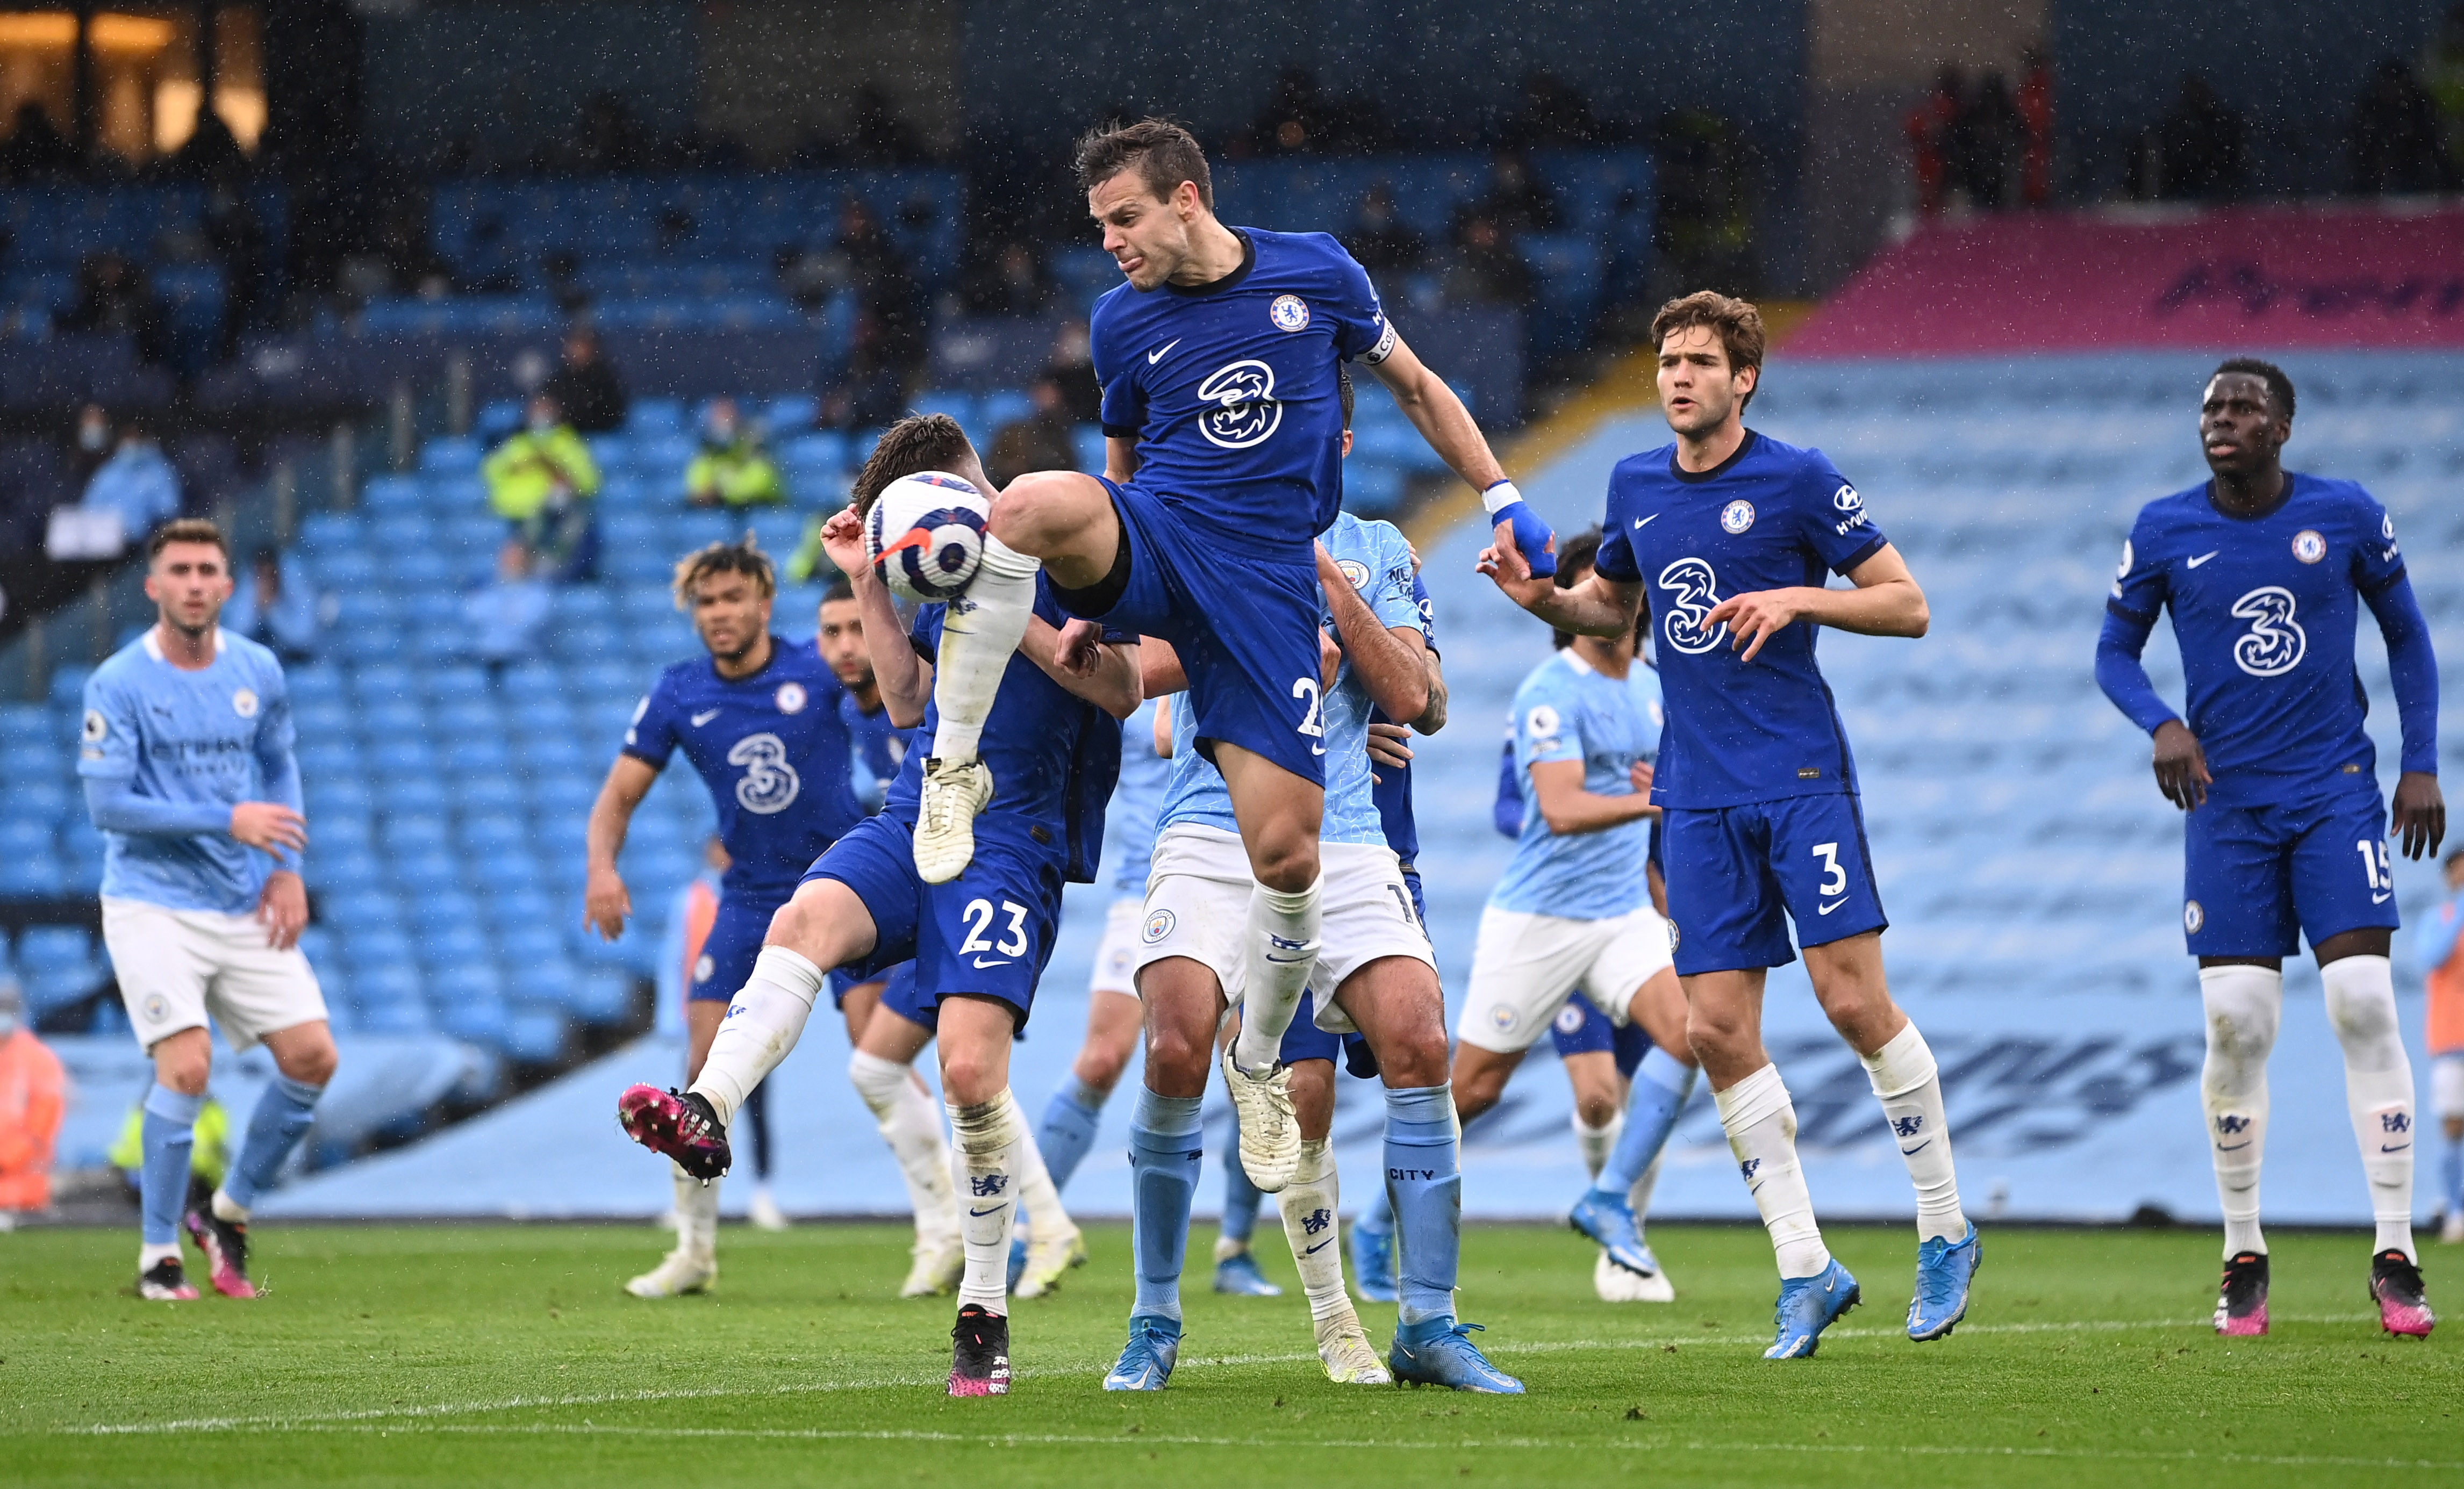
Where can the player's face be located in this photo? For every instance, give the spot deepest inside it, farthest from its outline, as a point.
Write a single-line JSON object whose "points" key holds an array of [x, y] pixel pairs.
{"points": [[730, 613], [188, 583], [1699, 391], [841, 642], [1145, 234], [2240, 431]]}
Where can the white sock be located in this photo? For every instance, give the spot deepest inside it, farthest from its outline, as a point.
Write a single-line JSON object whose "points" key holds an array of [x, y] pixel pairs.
{"points": [[1761, 1126], [148, 1253], [2243, 1005], [1308, 1205], [229, 1209], [1910, 1088], [764, 1020], [2378, 1089], [978, 636], [1596, 1142], [696, 1215], [987, 1168], [911, 1124], [1282, 947], [1037, 1195]]}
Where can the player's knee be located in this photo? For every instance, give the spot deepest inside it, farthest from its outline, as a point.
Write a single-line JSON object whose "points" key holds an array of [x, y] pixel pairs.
{"points": [[2362, 1019], [1416, 1060], [1181, 1055], [1596, 1109], [1100, 1064], [970, 1077], [1035, 509], [1713, 1035], [1475, 1091], [311, 1064], [1287, 861], [184, 1069]]}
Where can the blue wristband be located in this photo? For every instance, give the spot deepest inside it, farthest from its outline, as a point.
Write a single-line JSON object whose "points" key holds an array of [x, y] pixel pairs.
{"points": [[1532, 536]]}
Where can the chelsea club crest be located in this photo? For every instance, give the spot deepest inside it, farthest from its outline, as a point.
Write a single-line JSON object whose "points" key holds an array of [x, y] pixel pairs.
{"points": [[1289, 312]]}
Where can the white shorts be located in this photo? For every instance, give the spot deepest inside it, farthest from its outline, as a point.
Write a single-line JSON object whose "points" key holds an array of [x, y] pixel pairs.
{"points": [[2447, 1086], [1524, 965], [177, 966], [1197, 906], [1116, 955]]}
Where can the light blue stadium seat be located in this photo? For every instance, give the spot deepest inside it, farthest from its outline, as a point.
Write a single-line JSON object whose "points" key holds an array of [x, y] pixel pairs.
{"points": [[39, 877], [424, 872], [380, 681], [420, 793], [533, 1035], [473, 1017], [602, 997], [443, 945], [25, 723], [373, 949], [789, 413], [487, 837], [516, 906], [450, 455], [45, 798], [336, 870]]}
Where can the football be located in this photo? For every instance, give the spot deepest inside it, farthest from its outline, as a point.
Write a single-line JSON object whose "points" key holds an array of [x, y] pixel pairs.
{"points": [[925, 534]]}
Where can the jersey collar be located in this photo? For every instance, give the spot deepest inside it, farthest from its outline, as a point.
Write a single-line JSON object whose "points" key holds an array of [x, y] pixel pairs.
{"points": [[154, 645], [754, 676], [1575, 660], [2284, 499], [1232, 280], [1697, 477]]}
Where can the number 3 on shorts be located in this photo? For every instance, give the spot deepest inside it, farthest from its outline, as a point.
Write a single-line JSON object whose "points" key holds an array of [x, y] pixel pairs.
{"points": [[1835, 878]]}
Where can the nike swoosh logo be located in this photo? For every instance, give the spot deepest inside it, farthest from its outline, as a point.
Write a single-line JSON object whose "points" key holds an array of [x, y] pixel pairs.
{"points": [[1288, 961], [2397, 1149], [2381, 899], [980, 1213], [1320, 1247], [1834, 905], [1911, 1152], [1158, 355], [704, 717], [1643, 522], [2230, 1147], [2204, 558], [982, 965]]}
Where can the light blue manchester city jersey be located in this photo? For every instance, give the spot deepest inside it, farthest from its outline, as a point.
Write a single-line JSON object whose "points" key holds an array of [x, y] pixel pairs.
{"points": [[1567, 710], [1130, 821]]}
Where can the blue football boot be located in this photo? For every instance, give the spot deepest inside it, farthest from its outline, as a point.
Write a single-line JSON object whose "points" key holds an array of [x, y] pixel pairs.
{"points": [[1609, 1220], [1147, 1360], [1439, 1351], [1807, 1306], [1943, 1271], [1372, 1264], [1237, 1274]]}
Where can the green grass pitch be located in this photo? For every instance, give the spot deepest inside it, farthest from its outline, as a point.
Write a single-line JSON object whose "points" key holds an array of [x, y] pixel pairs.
{"points": [[508, 1355]]}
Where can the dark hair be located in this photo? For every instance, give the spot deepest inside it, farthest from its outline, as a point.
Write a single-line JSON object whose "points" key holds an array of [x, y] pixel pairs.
{"points": [[1163, 154], [743, 556], [2280, 387], [1737, 323], [1343, 391], [919, 441], [841, 588], [1576, 556], [185, 530]]}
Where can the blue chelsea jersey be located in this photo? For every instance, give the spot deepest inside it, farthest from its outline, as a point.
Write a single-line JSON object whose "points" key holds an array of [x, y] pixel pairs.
{"points": [[1567, 710], [1771, 517], [1230, 388], [1054, 756], [1375, 557], [2264, 610], [773, 751], [210, 739], [877, 747], [1130, 821]]}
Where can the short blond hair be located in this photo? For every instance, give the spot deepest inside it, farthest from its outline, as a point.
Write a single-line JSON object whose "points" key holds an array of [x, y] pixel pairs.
{"points": [[744, 556]]}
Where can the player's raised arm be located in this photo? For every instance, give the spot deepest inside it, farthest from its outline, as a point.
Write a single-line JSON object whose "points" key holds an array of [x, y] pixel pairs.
{"points": [[905, 679], [1388, 659], [1110, 681], [1438, 412]]}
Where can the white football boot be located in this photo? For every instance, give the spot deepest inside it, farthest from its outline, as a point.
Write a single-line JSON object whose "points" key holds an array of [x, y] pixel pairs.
{"points": [[1270, 1135], [681, 1271], [1615, 1284], [954, 791], [939, 1260], [1345, 1348]]}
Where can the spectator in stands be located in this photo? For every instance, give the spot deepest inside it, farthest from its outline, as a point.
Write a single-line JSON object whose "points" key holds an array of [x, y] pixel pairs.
{"points": [[885, 292], [1488, 269], [36, 149], [1012, 284], [2037, 118], [1296, 118], [1553, 113], [1929, 127], [112, 295], [1045, 440], [870, 392], [1518, 201], [137, 483], [33, 1096], [93, 445], [1381, 239], [542, 480], [273, 607], [732, 468], [1985, 139], [2395, 139], [1073, 365], [2200, 150], [507, 615], [2442, 73], [586, 387]]}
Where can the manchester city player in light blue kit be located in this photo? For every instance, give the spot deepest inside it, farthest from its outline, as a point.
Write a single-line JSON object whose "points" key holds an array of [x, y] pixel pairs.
{"points": [[758, 720], [1219, 359], [1379, 977], [1728, 534], [189, 774], [2265, 572]]}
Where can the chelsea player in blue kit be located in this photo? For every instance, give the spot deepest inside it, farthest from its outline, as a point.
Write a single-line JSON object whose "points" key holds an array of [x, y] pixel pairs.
{"points": [[1727, 535], [185, 757], [978, 942], [1219, 359], [2265, 572], [759, 719]]}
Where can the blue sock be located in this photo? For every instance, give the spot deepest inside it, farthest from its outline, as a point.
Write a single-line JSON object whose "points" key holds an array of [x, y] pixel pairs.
{"points": [[1378, 1218], [1165, 1147], [282, 1117], [168, 1134], [1425, 1182], [2453, 1167], [1240, 1197], [1068, 1129], [1661, 1083]]}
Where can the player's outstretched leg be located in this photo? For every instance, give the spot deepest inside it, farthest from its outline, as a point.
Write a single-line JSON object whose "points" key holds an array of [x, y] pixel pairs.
{"points": [[1815, 1289], [1948, 1251], [1235, 1268], [911, 1126], [1166, 1144], [2379, 1096], [1373, 1249], [978, 639], [1661, 1087], [1614, 1283], [1424, 1178], [2243, 1004], [167, 1133], [1309, 1204], [991, 1142], [283, 1115]]}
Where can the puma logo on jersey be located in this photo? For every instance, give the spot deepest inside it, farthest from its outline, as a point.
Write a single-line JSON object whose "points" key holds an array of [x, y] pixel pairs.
{"points": [[2204, 558], [704, 717], [1158, 354]]}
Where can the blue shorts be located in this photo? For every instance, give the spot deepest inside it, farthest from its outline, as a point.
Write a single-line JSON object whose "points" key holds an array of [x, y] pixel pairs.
{"points": [[1245, 629], [844, 982], [728, 953], [2254, 875], [1732, 870], [1580, 1028], [1304, 1039], [988, 932]]}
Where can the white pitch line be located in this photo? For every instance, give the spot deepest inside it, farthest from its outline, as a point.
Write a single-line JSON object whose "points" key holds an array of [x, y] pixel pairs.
{"points": [[227, 1424]]}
